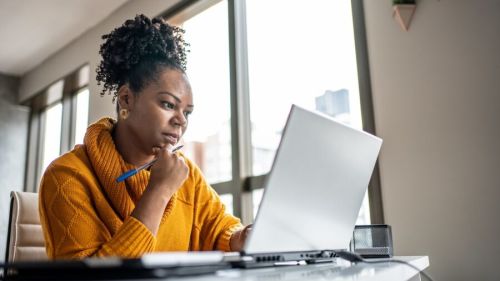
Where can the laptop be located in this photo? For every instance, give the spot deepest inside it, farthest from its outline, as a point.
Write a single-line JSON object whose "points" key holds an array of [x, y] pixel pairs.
{"points": [[314, 191]]}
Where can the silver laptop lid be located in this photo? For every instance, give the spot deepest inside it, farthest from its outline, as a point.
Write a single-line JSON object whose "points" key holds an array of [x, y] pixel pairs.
{"points": [[316, 186]]}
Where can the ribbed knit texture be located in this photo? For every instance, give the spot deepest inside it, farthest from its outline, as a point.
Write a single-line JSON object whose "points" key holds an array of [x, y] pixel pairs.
{"points": [[84, 212]]}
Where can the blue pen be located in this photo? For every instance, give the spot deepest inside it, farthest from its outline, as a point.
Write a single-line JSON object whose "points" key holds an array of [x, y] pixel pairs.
{"points": [[132, 172]]}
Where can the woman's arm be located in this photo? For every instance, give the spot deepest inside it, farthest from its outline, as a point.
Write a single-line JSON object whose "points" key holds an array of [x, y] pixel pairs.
{"points": [[215, 228], [167, 175], [78, 220], [72, 226]]}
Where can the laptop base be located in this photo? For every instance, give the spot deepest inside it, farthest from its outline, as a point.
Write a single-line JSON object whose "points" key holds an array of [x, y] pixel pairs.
{"points": [[283, 259]]}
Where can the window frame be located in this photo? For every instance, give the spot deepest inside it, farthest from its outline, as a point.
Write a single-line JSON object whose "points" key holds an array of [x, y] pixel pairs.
{"points": [[366, 102], [73, 83]]}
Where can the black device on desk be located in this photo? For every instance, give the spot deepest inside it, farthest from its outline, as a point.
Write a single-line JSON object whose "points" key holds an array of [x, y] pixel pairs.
{"points": [[372, 241], [149, 266]]}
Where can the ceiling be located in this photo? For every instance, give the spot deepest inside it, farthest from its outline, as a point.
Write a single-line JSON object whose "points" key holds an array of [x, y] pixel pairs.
{"points": [[32, 30]]}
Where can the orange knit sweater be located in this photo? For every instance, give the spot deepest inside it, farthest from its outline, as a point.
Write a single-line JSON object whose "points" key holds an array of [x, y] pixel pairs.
{"points": [[84, 212]]}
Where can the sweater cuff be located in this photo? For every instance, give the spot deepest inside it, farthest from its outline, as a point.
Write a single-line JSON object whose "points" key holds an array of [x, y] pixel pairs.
{"points": [[132, 240], [223, 243]]}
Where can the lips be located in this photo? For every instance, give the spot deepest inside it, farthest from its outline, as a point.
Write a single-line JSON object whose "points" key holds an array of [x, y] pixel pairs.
{"points": [[171, 138]]}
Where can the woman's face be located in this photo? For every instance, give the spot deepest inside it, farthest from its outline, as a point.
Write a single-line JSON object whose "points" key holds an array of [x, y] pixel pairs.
{"points": [[158, 115]]}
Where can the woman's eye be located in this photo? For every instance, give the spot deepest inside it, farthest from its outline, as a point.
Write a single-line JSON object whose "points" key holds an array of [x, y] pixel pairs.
{"points": [[168, 105], [187, 113]]}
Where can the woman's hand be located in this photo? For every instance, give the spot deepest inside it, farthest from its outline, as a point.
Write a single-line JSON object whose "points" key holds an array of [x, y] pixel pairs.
{"points": [[167, 175], [239, 237], [169, 171]]}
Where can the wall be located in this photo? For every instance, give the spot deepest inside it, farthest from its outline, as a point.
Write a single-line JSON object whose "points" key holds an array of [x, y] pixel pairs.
{"points": [[436, 92], [84, 50], [13, 127]]}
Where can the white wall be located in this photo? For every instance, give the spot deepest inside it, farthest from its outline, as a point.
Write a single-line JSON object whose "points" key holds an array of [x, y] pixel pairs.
{"points": [[13, 128], [84, 50], [436, 92]]}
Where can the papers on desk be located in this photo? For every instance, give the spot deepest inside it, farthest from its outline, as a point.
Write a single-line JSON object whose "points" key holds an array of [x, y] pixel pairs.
{"points": [[169, 259]]}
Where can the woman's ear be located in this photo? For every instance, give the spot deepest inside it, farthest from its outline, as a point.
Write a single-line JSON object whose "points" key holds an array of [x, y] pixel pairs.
{"points": [[125, 98]]}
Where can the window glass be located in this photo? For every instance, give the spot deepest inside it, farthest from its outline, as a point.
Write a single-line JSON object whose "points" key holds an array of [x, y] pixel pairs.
{"points": [[51, 139], [208, 138], [307, 57], [82, 115], [227, 199], [256, 199], [51, 135]]}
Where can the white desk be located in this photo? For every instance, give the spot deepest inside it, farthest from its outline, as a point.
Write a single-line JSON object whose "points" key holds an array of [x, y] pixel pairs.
{"points": [[342, 271]]}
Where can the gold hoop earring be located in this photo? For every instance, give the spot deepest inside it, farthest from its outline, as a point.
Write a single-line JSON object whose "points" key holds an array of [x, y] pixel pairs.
{"points": [[124, 113]]}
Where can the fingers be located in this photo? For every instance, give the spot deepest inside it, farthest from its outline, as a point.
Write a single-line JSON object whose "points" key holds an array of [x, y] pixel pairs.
{"points": [[246, 230], [248, 227], [239, 237], [165, 150]]}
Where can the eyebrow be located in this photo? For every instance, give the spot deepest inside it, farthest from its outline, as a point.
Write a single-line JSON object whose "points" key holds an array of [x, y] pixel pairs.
{"points": [[175, 97]]}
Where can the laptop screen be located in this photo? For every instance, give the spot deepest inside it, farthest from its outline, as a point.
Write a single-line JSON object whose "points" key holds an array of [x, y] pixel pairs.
{"points": [[315, 189]]}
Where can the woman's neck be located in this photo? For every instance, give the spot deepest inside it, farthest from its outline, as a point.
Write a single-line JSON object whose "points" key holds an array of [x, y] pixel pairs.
{"points": [[128, 146]]}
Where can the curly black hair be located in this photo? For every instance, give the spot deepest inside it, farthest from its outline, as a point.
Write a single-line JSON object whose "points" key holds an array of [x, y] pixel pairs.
{"points": [[136, 52]]}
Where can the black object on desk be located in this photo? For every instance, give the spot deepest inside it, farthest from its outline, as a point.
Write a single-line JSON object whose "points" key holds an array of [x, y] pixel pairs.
{"points": [[372, 241], [104, 269]]}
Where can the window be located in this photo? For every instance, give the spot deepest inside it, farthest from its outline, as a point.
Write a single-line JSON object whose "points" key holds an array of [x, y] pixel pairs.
{"points": [[247, 68], [208, 139], [306, 58], [81, 115], [51, 140], [59, 117], [227, 200]]}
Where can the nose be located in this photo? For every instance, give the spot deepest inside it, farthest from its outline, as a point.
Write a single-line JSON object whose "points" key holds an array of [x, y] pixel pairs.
{"points": [[180, 119]]}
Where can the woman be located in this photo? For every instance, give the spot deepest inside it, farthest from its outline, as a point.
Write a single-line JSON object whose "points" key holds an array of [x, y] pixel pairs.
{"points": [[85, 212]]}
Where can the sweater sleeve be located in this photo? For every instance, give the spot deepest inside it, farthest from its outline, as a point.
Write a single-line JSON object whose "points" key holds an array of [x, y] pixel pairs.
{"points": [[215, 225], [73, 229]]}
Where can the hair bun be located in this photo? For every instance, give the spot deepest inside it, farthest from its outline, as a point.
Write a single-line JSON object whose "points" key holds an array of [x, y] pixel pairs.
{"points": [[137, 41]]}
